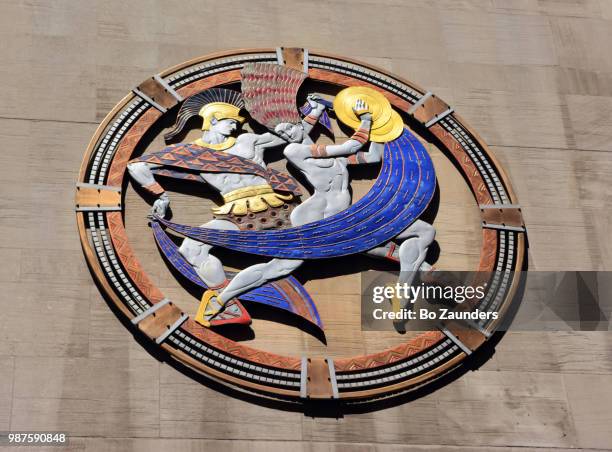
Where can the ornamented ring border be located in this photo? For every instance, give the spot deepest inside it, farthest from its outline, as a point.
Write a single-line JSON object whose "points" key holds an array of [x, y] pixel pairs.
{"points": [[396, 370]]}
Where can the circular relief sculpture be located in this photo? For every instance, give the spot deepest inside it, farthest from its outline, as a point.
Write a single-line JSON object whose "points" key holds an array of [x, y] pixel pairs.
{"points": [[322, 118]]}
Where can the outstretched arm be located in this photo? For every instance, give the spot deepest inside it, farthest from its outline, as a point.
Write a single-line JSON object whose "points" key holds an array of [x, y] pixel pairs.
{"points": [[372, 155], [316, 110], [142, 174], [353, 144], [268, 140]]}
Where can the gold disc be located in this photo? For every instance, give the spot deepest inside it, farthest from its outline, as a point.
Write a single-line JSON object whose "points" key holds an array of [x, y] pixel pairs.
{"points": [[378, 104], [390, 131]]}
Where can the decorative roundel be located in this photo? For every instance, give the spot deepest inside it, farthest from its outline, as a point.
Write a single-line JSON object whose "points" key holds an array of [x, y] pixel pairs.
{"points": [[259, 89]]}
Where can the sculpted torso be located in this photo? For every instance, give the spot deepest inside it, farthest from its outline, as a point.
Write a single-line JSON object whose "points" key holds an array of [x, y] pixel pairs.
{"points": [[330, 179], [226, 182]]}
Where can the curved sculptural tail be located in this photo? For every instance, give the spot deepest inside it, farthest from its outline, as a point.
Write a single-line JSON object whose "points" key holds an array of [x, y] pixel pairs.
{"points": [[286, 293], [401, 193]]}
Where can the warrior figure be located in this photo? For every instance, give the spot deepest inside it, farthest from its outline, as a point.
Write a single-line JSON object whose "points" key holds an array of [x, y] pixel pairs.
{"points": [[250, 190], [325, 168]]}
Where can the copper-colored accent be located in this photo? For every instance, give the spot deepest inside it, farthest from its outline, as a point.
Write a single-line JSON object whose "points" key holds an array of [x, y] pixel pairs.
{"points": [[519, 261], [319, 382], [398, 353], [127, 144], [214, 56], [505, 216], [154, 188], [96, 269], [126, 256], [360, 136], [318, 150], [158, 322], [223, 78], [470, 171], [96, 136], [157, 93], [310, 119], [97, 197], [245, 352], [345, 80], [429, 109], [294, 57], [406, 384], [488, 251], [221, 377], [491, 156]]}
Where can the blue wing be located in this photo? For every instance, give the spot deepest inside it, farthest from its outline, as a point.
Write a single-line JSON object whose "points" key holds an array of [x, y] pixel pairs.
{"points": [[286, 294], [402, 191]]}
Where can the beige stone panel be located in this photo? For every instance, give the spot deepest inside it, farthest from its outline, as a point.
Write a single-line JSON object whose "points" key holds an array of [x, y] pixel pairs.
{"points": [[563, 240], [584, 82], [341, 316], [590, 397], [411, 30], [431, 74], [108, 336], [47, 43], [586, 352], [580, 43], [511, 119], [6, 391], [11, 264], [38, 182], [44, 318], [505, 409], [591, 121], [571, 205], [190, 409], [516, 78], [42, 265], [195, 445], [572, 8], [606, 9], [473, 37], [87, 397], [526, 166], [417, 422]]}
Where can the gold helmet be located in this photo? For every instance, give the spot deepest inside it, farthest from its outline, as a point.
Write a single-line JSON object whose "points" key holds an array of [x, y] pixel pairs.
{"points": [[219, 110], [218, 103]]}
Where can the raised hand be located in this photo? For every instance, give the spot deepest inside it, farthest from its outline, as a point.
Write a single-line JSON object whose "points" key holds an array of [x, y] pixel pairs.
{"points": [[362, 110], [314, 102], [160, 206]]}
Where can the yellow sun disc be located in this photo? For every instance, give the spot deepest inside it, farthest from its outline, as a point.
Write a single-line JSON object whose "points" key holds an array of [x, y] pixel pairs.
{"points": [[387, 124], [378, 104], [390, 131]]}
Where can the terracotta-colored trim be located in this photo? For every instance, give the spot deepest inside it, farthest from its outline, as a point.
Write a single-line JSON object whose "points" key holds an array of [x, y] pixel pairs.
{"points": [[189, 361], [117, 231], [345, 80], [406, 384], [209, 82], [398, 353]]}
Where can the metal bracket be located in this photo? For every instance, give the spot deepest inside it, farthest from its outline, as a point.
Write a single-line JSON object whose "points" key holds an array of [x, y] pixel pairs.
{"points": [[502, 216], [136, 320], [171, 329], [158, 93], [333, 379], [95, 197], [429, 109], [456, 340], [318, 379], [293, 57]]}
